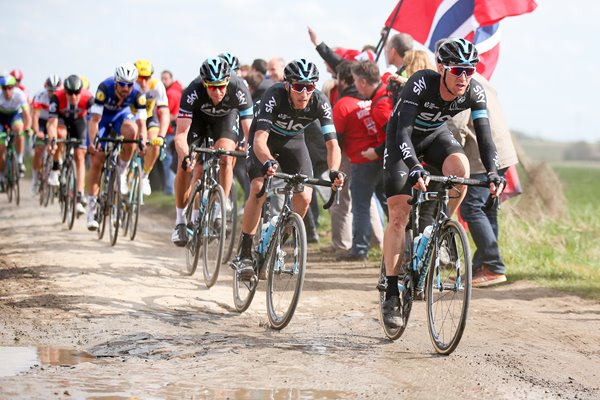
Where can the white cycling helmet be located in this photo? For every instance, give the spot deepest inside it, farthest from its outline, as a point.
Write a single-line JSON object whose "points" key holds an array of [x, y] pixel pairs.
{"points": [[53, 82], [126, 73]]}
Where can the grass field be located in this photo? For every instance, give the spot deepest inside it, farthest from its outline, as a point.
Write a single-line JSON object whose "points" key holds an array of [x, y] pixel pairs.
{"points": [[564, 253]]}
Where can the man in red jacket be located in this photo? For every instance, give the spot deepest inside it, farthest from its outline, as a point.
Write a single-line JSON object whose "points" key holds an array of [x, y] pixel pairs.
{"points": [[174, 91]]}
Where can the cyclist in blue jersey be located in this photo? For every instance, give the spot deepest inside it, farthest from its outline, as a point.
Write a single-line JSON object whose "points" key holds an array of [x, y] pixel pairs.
{"points": [[417, 131], [278, 131], [117, 99]]}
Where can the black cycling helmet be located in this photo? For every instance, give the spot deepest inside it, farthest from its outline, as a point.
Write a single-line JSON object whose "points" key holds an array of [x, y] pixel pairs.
{"points": [[301, 70], [73, 83], [233, 61], [53, 82], [215, 69], [457, 51]]}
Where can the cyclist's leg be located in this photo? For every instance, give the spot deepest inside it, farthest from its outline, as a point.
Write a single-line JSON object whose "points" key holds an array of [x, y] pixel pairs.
{"points": [[17, 127], [124, 124], [38, 153], [76, 130], [295, 158], [225, 135], [3, 141], [455, 162]]}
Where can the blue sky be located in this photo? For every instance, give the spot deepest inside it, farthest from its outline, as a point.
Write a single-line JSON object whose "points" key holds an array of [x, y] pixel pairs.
{"points": [[546, 77]]}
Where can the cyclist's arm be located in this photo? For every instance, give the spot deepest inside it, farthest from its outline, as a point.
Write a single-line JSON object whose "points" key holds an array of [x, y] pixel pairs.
{"points": [[93, 127], [51, 127], [261, 150], [164, 119], [406, 116], [334, 154], [481, 123], [245, 125], [181, 132], [26, 118], [35, 121]]}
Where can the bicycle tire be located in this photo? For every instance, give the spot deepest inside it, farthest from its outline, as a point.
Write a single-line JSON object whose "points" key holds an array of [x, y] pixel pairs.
{"points": [[62, 194], [231, 223], [15, 180], [243, 291], [449, 289], [44, 186], [71, 194], [114, 207], [192, 248], [9, 175], [285, 277], [213, 235], [101, 205], [133, 209], [406, 301]]}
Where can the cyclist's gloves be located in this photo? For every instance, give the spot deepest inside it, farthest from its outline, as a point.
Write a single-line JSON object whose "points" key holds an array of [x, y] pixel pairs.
{"points": [[185, 163], [415, 173], [268, 165], [496, 179], [333, 175], [157, 141]]}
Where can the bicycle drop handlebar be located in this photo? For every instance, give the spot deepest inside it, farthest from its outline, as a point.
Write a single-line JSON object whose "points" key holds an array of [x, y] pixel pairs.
{"points": [[295, 179]]}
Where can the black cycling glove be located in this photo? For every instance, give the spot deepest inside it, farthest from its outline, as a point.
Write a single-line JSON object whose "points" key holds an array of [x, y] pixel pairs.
{"points": [[268, 165], [496, 179], [415, 173]]}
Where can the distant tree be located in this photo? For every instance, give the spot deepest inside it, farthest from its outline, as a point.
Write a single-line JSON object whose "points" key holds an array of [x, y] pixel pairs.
{"points": [[580, 151]]}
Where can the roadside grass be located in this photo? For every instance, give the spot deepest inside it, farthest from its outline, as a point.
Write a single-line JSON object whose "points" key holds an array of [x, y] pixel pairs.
{"points": [[562, 254]]}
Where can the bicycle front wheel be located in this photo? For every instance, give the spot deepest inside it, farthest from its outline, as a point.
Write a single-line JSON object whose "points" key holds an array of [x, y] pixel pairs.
{"points": [[62, 194], [192, 248], [133, 214], [286, 269], [44, 186], [213, 234], [71, 194], [114, 203], [232, 222], [405, 288], [449, 288]]}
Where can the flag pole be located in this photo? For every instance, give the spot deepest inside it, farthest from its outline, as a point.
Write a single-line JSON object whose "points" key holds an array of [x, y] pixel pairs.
{"points": [[386, 32]]}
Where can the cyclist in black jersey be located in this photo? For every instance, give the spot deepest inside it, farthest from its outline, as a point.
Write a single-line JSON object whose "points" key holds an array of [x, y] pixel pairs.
{"points": [[278, 129], [417, 132], [209, 107]]}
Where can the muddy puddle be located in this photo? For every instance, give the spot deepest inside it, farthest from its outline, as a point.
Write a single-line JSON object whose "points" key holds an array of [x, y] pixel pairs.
{"points": [[16, 360]]}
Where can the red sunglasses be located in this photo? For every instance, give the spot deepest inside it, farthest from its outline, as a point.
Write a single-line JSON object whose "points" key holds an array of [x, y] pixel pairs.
{"points": [[300, 87], [216, 86], [458, 71]]}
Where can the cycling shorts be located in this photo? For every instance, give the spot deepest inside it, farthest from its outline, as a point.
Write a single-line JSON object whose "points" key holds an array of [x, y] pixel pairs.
{"points": [[290, 152], [215, 128]]}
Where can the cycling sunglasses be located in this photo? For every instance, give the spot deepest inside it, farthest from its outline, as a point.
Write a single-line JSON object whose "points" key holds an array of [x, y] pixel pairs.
{"points": [[300, 87], [216, 85], [73, 93], [458, 71], [7, 87], [125, 84]]}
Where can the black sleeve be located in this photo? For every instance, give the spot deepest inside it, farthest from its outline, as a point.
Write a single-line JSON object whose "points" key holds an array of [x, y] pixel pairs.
{"points": [[329, 56], [405, 115], [483, 131], [53, 107]]}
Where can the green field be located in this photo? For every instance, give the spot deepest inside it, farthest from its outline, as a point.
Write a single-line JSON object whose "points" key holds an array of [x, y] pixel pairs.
{"points": [[559, 252]]}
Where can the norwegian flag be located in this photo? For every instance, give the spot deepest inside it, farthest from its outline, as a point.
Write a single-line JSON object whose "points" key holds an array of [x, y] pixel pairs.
{"points": [[476, 20]]}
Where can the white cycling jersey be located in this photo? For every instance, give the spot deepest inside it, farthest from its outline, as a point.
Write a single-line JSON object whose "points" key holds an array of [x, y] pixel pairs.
{"points": [[17, 103]]}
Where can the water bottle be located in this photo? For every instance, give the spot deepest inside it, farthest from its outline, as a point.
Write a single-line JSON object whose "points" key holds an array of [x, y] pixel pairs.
{"points": [[268, 228], [421, 243]]}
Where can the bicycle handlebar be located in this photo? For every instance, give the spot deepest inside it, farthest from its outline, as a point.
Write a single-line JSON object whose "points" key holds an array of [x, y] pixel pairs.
{"points": [[218, 152], [296, 179], [450, 181]]}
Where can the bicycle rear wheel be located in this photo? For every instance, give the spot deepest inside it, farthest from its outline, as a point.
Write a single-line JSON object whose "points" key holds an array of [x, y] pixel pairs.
{"points": [[449, 288], [114, 203], [231, 223], [71, 194], [405, 287], [213, 235], [286, 269], [192, 248], [135, 191]]}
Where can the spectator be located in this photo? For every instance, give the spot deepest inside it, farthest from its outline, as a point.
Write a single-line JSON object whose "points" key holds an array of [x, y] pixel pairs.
{"points": [[275, 68], [174, 91], [259, 65], [353, 121], [488, 267]]}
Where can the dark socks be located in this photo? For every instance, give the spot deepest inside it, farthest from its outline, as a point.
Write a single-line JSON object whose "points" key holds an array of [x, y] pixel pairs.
{"points": [[246, 246], [392, 287]]}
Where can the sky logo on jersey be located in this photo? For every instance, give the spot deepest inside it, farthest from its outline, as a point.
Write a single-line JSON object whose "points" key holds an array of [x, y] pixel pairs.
{"points": [[480, 93], [289, 126], [270, 104], [326, 110], [191, 98], [241, 98], [405, 149], [419, 85]]}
